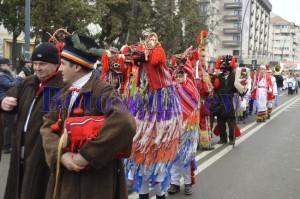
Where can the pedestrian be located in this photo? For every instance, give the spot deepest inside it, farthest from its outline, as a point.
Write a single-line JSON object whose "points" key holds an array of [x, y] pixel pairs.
{"points": [[225, 92], [279, 82], [157, 111], [28, 172], [291, 84], [7, 81], [27, 68], [263, 86], [90, 164], [185, 164]]}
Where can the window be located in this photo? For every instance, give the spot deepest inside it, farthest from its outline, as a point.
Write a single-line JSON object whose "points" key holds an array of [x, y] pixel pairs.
{"points": [[237, 1], [237, 25], [238, 12], [235, 52], [236, 38]]}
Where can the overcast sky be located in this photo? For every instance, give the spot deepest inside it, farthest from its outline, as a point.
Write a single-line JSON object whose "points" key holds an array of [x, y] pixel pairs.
{"points": [[287, 9]]}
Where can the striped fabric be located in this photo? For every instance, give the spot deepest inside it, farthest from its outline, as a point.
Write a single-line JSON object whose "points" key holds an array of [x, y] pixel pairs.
{"points": [[76, 58]]}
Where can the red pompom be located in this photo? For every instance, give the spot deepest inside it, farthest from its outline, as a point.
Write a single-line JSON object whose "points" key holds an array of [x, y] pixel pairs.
{"points": [[56, 126], [78, 111], [216, 130], [237, 131]]}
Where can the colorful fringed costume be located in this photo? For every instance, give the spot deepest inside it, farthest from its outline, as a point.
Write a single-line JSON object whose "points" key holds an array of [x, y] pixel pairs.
{"points": [[157, 110], [185, 163]]}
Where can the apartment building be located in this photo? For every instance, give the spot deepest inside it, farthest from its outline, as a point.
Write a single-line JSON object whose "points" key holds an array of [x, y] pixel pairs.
{"points": [[239, 28], [284, 40]]}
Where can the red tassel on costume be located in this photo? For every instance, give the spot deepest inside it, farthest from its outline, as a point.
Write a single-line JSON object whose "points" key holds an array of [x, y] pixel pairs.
{"points": [[79, 111], [216, 130], [237, 132], [233, 62], [218, 63], [56, 125]]}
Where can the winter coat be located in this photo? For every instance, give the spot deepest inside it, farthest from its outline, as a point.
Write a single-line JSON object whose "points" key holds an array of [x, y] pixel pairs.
{"points": [[35, 172], [7, 81], [105, 178], [1, 134], [225, 94]]}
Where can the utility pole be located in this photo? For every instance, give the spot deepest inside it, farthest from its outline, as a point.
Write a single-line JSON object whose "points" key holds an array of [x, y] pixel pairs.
{"points": [[242, 28], [27, 29]]}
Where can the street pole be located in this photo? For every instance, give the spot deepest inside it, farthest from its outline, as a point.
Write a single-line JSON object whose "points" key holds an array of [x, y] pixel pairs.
{"points": [[27, 29], [242, 28]]}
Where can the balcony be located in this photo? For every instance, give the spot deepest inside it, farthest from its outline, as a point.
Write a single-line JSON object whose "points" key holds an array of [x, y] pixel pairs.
{"points": [[252, 12], [256, 38], [257, 16], [256, 27], [231, 43], [232, 17], [233, 5], [262, 20], [232, 31], [251, 35]]}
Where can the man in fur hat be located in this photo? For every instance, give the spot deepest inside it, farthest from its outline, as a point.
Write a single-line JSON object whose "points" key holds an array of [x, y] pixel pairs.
{"points": [[88, 162], [28, 172], [225, 90]]}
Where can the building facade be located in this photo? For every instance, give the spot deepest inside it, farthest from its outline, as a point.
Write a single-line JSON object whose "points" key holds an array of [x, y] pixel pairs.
{"points": [[240, 27], [284, 40]]}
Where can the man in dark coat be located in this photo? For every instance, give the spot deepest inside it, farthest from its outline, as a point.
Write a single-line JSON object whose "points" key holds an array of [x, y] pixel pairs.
{"points": [[7, 81], [92, 169], [225, 90], [28, 172]]}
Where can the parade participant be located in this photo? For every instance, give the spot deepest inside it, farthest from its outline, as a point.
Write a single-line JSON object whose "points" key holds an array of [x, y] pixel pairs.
{"points": [[205, 89], [263, 86], [27, 67], [157, 111], [225, 91], [86, 163], [243, 84], [253, 75], [185, 164], [279, 82], [271, 96], [28, 172]]}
